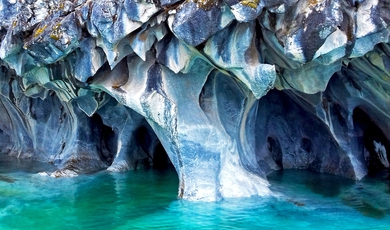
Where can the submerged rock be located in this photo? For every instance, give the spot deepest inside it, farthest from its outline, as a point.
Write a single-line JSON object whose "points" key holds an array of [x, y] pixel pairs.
{"points": [[224, 91]]}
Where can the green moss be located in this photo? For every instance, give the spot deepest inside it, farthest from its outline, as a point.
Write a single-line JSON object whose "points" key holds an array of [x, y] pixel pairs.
{"points": [[206, 4], [54, 36], [56, 32], [251, 3], [39, 31]]}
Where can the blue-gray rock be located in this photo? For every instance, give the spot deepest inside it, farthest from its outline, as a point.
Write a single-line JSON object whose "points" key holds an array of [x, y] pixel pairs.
{"points": [[194, 22], [140, 11], [241, 58]]}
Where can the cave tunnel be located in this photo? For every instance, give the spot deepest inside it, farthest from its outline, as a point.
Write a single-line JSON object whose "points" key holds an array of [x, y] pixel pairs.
{"points": [[4, 142], [375, 145], [106, 139], [161, 159], [275, 150], [144, 151], [149, 143]]}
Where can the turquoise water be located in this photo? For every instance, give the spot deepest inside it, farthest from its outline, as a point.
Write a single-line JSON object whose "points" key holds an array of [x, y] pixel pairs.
{"points": [[147, 200]]}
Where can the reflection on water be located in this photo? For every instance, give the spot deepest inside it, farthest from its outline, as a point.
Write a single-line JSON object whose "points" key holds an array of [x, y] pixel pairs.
{"points": [[12, 165], [147, 200], [369, 196], [6, 179], [320, 183], [100, 201], [364, 207]]}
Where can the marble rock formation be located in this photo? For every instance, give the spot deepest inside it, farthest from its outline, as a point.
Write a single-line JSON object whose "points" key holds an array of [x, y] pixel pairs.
{"points": [[226, 91]]}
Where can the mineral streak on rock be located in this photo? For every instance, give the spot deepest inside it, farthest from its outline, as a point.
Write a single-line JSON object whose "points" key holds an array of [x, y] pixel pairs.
{"points": [[226, 91]]}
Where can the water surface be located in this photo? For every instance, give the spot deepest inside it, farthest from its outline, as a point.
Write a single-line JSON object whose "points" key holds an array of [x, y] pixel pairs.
{"points": [[146, 199]]}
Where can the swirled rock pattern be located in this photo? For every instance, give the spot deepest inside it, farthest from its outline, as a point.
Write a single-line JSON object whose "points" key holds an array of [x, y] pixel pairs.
{"points": [[226, 91]]}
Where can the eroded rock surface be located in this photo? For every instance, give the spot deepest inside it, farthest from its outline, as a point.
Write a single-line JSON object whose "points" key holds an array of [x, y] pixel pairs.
{"points": [[225, 91]]}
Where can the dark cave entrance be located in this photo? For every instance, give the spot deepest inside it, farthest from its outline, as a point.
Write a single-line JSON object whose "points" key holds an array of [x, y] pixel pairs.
{"points": [[160, 158], [147, 140], [129, 145], [275, 150], [375, 145], [4, 141], [106, 138]]}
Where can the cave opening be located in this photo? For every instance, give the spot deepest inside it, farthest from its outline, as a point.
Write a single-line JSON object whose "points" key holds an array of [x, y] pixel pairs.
{"points": [[106, 138], [4, 142], [147, 140], [143, 138], [375, 145], [276, 151], [160, 158], [306, 145]]}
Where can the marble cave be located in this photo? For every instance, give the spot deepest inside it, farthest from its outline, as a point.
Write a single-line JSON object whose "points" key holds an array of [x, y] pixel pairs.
{"points": [[224, 91]]}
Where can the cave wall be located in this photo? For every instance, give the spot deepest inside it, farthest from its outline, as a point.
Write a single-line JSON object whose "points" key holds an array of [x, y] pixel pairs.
{"points": [[225, 91]]}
